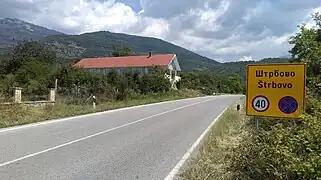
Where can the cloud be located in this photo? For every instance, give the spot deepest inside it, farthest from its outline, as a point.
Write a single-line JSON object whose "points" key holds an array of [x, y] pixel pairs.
{"points": [[246, 58], [226, 30]]}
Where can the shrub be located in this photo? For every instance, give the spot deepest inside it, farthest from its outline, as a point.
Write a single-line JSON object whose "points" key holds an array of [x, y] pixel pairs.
{"points": [[284, 152], [154, 83]]}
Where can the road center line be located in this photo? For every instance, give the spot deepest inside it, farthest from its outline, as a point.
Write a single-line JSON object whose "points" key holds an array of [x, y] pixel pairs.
{"points": [[97, 134]]}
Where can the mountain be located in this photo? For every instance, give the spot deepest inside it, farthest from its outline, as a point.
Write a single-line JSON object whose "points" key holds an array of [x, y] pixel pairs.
{"points": [[14, 30], [96, 44], [239, 67], [101, 43]]}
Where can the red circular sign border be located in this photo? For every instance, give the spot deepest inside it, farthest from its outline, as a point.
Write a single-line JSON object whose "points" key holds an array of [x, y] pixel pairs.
{"points": [[264, 98]]}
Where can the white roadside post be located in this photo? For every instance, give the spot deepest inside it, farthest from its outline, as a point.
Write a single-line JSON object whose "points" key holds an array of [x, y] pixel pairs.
{"points": [[94, 102]]}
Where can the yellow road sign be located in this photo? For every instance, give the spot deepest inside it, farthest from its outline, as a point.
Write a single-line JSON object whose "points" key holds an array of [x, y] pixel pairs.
{"points": [[275, 90]]}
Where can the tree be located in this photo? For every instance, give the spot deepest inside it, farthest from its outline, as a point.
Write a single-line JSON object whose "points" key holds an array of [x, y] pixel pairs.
{"points": [[121, 51], [113, 77], [31, 66], [122, 87], [154, 82], [28, 51], [34, 77], [235, 83], [307, 49]]}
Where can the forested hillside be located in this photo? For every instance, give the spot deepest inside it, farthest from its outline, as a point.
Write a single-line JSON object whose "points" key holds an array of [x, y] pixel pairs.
{"points": [[99, 44], [103, 43]]}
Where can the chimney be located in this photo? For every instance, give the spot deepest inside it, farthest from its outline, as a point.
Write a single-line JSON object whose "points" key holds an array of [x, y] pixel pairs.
{"points": [[149, 54]]}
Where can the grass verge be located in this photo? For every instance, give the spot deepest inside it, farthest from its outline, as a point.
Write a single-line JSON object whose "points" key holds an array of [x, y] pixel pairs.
{"points": [[12, 115], [215, 154]]}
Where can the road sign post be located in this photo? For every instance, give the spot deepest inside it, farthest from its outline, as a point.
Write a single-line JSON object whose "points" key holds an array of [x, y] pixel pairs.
{"points": [[276, 90]]}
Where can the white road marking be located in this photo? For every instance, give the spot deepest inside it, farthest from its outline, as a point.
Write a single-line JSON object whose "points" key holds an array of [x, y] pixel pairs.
{"points": [[92, 114], [187, 155], [99, 133]]}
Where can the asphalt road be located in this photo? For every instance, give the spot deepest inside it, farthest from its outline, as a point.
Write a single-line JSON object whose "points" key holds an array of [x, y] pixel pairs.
{"points": [[136, 143]]}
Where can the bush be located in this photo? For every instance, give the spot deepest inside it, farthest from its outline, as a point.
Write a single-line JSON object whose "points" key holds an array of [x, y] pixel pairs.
{"points": [[209, 83], [153, 84], [281, 151]]}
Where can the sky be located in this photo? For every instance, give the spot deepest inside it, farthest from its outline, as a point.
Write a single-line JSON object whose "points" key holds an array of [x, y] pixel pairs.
{"points": [[224, 30]]}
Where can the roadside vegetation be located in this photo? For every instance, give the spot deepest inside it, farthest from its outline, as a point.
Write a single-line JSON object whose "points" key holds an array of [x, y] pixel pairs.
{"points": [[280, 148], [34, 67], [18, 114], [214, 157]]}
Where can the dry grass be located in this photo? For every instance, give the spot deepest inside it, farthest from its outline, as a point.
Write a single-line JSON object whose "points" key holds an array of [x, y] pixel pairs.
{"points": [[214, 157], [11, 115]]}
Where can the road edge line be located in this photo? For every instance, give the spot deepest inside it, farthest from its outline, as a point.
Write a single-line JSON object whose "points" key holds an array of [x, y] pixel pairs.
{"points": [[174, 172], [50, 121]]}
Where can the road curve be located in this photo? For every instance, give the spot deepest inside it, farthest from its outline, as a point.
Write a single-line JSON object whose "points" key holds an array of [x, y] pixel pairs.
{"points": [[136, 143]]}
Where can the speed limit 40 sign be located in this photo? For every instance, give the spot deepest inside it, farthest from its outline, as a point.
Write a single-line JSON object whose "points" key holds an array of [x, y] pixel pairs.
{"points": [[260, 103]]}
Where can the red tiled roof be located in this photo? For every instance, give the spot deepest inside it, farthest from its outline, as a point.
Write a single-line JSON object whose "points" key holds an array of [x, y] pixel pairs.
{"points": [[127, 61]]}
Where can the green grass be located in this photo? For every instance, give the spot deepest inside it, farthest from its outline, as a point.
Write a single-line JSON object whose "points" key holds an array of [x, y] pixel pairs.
{"points": [[12, 115], [214, 157]]}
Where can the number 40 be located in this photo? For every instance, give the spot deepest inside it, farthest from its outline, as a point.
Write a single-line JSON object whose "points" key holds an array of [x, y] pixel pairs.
{"points": [[261, 103]]}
